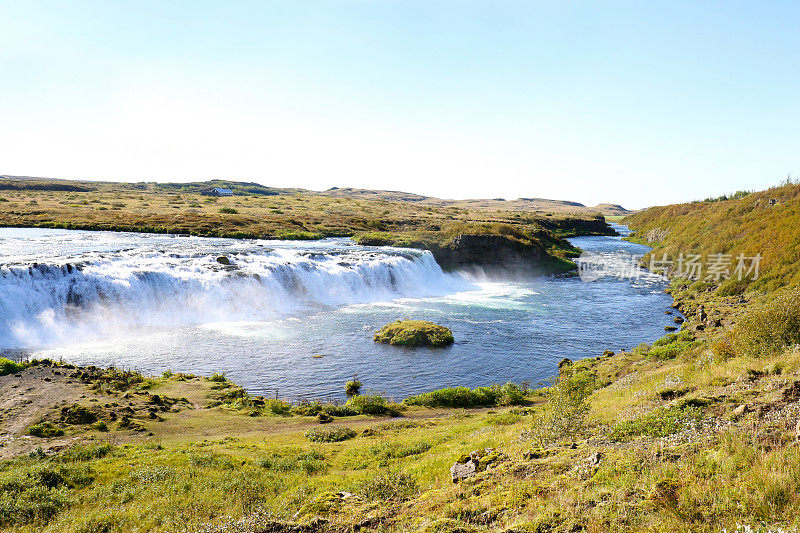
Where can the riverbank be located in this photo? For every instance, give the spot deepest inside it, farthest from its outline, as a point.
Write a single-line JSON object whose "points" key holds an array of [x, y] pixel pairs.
{"points": [[662, 440], [535, 239]]}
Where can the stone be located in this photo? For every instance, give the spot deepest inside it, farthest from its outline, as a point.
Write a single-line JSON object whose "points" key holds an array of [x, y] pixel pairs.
{"points": [[678, 320], [596, 458], [670, 328], [564, 362], [739, 411], [222, 260], [462, 471], [608, 353]]}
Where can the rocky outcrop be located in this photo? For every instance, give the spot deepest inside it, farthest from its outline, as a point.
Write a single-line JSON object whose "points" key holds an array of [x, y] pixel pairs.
{"points": [[498, 255]]}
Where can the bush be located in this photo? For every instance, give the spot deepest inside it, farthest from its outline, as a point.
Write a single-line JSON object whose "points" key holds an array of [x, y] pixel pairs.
{"points": [[333, 409], [414, 333], [508, 394], [45, 430], [564, 413], [34, 493], [373, 404], [85, 453], [330, 434], [398, 450], [77, 414], [218, 378], [308, 409], [388, 486], [7, 366], [228, 211], [352, 387], [671, 345], [278, 407], [767, 328]]}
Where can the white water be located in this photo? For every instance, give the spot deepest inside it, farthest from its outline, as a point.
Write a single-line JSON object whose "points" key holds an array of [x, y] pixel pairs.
{"points": [[60, 287]]}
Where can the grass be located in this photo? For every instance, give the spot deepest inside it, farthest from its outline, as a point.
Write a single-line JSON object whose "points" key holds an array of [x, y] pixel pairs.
{"points": [[746, 225], [330, 434], [267, 471], [508, 394], [661, 422], [414, 333]]}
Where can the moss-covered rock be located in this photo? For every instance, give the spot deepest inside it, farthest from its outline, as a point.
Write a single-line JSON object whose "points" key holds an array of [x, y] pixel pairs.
{"points": [[414, 333]]}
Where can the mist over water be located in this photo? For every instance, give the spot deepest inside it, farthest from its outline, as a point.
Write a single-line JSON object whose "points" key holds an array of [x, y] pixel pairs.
{"points": [[298, 317]]}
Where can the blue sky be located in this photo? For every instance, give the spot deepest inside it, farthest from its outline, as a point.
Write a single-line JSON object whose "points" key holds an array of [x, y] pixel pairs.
{"points": [[639, 103]]}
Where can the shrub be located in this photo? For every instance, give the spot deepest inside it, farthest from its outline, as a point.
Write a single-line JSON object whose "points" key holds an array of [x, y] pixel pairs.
{"points": [[85, 453], [373, 404], [330, 434], [278, 407], [333, 409], [767, 328], [308, 409], [564, 413], [508, 394], [671, 345], [388, 486], [45, 430], [414, 333], [77, 414], [352, 387], [398, 450], [7, 366], [218, 378], [228, 211], [34, 493]]}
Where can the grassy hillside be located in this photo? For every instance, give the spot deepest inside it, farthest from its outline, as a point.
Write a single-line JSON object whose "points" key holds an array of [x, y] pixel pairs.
{"points": [[663, 438], [764, 222]]}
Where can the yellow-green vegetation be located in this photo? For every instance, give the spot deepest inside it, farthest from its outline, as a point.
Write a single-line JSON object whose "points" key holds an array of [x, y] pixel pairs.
{"points": [[762, 223], [696, 432], [508, 394], [256, 211], [414, 333], [7, 366], [663, 442]]}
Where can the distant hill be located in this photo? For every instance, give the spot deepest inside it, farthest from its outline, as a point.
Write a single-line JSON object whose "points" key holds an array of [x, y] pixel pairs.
{"points": [[536, 205], [530, 205]]}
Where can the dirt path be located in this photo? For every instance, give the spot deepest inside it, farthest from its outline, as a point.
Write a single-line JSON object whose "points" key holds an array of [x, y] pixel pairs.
{"points": [[26, 398]]}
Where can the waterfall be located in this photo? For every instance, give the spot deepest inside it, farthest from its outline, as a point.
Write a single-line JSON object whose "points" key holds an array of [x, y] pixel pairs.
{"points": [[92, 295]]}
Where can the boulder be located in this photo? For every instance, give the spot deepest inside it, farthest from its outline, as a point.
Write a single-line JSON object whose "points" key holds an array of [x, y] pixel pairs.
{"points": [[462, 471], [739, 411], [222, 260]]}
